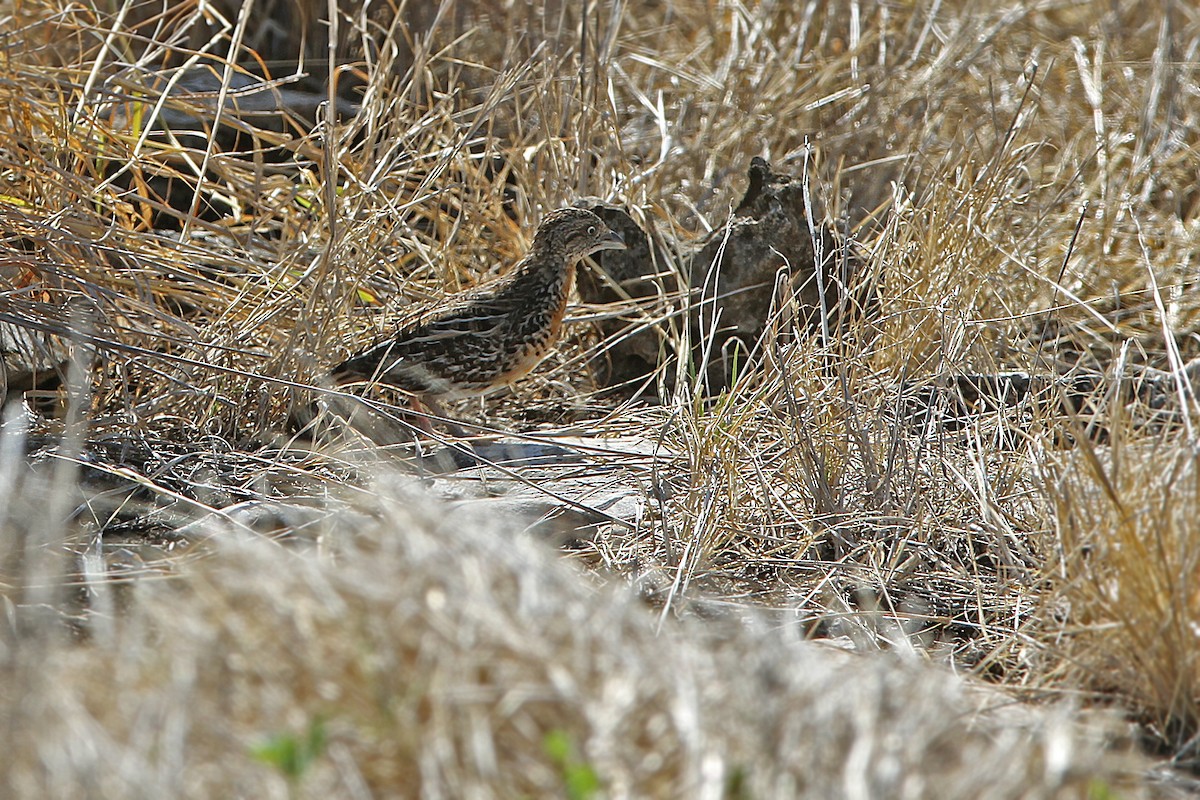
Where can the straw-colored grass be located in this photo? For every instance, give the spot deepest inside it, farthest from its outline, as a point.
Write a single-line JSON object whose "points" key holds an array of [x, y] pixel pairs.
{"points": [[405, 656], [1021, 178]]}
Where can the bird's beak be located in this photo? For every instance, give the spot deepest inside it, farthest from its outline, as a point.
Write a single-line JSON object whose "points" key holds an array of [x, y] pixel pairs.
{"points": [[611, 242]]}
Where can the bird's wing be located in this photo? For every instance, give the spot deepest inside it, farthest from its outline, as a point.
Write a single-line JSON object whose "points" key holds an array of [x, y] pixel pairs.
{"points": [[471, 317], [426, 350]]}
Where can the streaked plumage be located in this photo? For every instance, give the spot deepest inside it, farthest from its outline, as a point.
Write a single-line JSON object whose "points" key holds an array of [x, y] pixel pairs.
{"points": [[490, 336]]}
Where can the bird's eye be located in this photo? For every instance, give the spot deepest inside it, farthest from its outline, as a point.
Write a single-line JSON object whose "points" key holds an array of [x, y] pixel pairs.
{"points": [[592, 230]]}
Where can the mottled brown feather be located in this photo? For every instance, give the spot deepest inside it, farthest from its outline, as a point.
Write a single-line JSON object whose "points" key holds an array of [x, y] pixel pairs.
{"points": [[490, 336]]}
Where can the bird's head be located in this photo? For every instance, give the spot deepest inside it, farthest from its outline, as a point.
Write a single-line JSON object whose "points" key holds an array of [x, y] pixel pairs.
{"points": [[574, 233]]}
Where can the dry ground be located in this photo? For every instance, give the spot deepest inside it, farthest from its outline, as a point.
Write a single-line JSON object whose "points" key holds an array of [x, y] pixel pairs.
{"points": [[1023, 177]]}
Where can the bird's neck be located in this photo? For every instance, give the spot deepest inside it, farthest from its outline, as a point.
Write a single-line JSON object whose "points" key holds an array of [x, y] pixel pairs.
{"points": [[543, 263], [545, 276], [542, 251]]}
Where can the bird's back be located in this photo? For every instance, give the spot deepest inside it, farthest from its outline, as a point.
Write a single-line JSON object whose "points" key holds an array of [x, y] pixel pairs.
{"points": [[484, 339]]}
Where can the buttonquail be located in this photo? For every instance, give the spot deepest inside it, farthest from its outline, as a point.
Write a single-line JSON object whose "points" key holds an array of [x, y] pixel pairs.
{"points": [[489, 336]]}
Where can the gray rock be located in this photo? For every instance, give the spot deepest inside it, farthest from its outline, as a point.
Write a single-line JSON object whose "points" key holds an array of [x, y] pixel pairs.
{"points": [[769, 240], [767, 251]]}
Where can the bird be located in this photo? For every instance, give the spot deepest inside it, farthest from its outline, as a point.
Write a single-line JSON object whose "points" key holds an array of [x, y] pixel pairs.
{"points": [[485, 338]]}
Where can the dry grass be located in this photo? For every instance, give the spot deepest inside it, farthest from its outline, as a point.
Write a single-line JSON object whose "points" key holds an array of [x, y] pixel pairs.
{"points": [[1126, 567], [1022, 176], [403, 652]]}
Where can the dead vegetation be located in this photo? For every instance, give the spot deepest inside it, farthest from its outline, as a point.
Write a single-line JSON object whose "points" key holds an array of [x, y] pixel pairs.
{"points": [[1021, 178], [463, 661]]}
